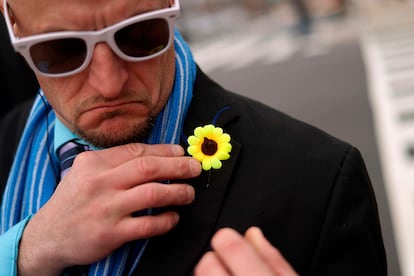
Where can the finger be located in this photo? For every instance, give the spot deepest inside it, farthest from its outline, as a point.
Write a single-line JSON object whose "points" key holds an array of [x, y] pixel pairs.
{"points": [[142, 227], [154, 195], [238, 255], [154, 168], [270, 254], [210, 265], [120, 154]]}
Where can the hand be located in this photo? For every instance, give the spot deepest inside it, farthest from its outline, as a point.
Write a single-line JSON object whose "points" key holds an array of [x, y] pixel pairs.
{"points": [[89, 215], [248, 255]]}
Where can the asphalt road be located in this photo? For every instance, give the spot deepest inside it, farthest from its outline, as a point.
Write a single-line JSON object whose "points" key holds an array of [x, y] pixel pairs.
{"points": [[329, 91]]}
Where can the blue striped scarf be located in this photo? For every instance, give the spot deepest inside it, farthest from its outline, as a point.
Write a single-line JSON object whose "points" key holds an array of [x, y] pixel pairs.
{"points": [[33, 175]]}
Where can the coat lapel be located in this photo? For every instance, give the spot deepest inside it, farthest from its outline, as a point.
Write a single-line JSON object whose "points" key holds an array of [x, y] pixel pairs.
{"points": [[177, 252]]}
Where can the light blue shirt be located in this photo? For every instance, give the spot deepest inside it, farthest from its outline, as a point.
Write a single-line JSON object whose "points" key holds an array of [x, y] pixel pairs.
{"points": [[64, 135], [9, 244]]}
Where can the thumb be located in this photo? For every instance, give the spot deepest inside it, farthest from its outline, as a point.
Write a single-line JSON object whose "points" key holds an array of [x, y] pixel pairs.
{"points": [[269, 253]]}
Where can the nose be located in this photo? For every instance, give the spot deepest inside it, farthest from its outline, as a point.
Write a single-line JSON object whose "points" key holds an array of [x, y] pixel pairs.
{"points": [[107, 72]]}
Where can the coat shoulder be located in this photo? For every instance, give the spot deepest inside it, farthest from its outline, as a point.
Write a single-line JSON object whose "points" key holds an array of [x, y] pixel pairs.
{"points": [[252, 122], [11, 129]]}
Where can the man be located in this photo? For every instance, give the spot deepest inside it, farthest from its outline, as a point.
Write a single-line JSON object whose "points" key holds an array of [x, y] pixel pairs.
{"points": [[117, 81]]}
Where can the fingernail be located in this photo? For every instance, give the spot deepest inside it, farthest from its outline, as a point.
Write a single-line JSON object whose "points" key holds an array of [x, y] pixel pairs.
{"points": [[190, 194], [176, 218], [195, 166], [177, 150], [257, 230]]}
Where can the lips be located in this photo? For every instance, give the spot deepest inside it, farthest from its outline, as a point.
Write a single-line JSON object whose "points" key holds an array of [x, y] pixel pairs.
{"points": [[113, 114], [110, 107]]}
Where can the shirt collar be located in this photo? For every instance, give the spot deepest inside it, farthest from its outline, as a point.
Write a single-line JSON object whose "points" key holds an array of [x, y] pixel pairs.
{"points": [[64, 135]]}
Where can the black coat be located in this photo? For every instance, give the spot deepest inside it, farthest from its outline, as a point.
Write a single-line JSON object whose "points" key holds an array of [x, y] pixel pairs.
{"points": [[308, 191], [17, 81]]}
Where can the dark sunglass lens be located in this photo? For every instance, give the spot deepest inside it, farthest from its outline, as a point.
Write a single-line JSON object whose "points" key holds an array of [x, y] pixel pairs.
{"points": [[144, 38], [59, 56]]}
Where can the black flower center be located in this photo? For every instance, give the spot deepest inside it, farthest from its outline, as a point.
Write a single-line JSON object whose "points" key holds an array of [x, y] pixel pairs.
{"points": [[209, 147]]}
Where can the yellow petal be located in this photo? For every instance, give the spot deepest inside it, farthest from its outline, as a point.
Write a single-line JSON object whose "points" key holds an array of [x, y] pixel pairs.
{"points": [[193, 150], [218, 131], [222, 155], [215, 163], [208, 129], [193, 141], [225, 138], [199, 132], [225, 147], [199, 156], [206, 164]]}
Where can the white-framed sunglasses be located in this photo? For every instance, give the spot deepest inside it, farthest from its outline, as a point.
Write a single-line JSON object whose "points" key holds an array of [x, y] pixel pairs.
{"points": [[61, 54]]}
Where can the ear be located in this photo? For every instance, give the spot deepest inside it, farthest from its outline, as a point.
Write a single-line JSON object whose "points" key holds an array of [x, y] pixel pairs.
{"points": [[10, 13]]}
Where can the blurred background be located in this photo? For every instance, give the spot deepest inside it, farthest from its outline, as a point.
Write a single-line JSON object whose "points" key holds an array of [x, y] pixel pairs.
{"points": [[344, 66]]}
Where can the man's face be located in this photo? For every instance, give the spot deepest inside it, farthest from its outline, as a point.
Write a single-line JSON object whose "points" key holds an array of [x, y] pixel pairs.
{"points": [[112, 101]]}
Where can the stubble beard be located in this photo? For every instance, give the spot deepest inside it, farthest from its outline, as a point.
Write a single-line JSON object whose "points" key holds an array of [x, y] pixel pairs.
{"points": [[134, 133]]}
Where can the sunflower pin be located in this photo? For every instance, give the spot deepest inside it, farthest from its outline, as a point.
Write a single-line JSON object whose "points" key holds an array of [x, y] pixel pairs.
{"points": [[210, 146]]}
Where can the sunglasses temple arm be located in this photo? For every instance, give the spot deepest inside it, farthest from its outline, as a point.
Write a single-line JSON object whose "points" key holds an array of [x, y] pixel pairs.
{"points": [[8, 22], [176, 4]]}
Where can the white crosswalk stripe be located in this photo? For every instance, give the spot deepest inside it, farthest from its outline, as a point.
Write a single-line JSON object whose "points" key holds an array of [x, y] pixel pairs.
{"points": [[389, 56], [237, 51], [259, 44]]}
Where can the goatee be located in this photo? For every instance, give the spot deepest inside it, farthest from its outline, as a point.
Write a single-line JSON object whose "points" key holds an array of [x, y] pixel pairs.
{"points": [[128, 134]]}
